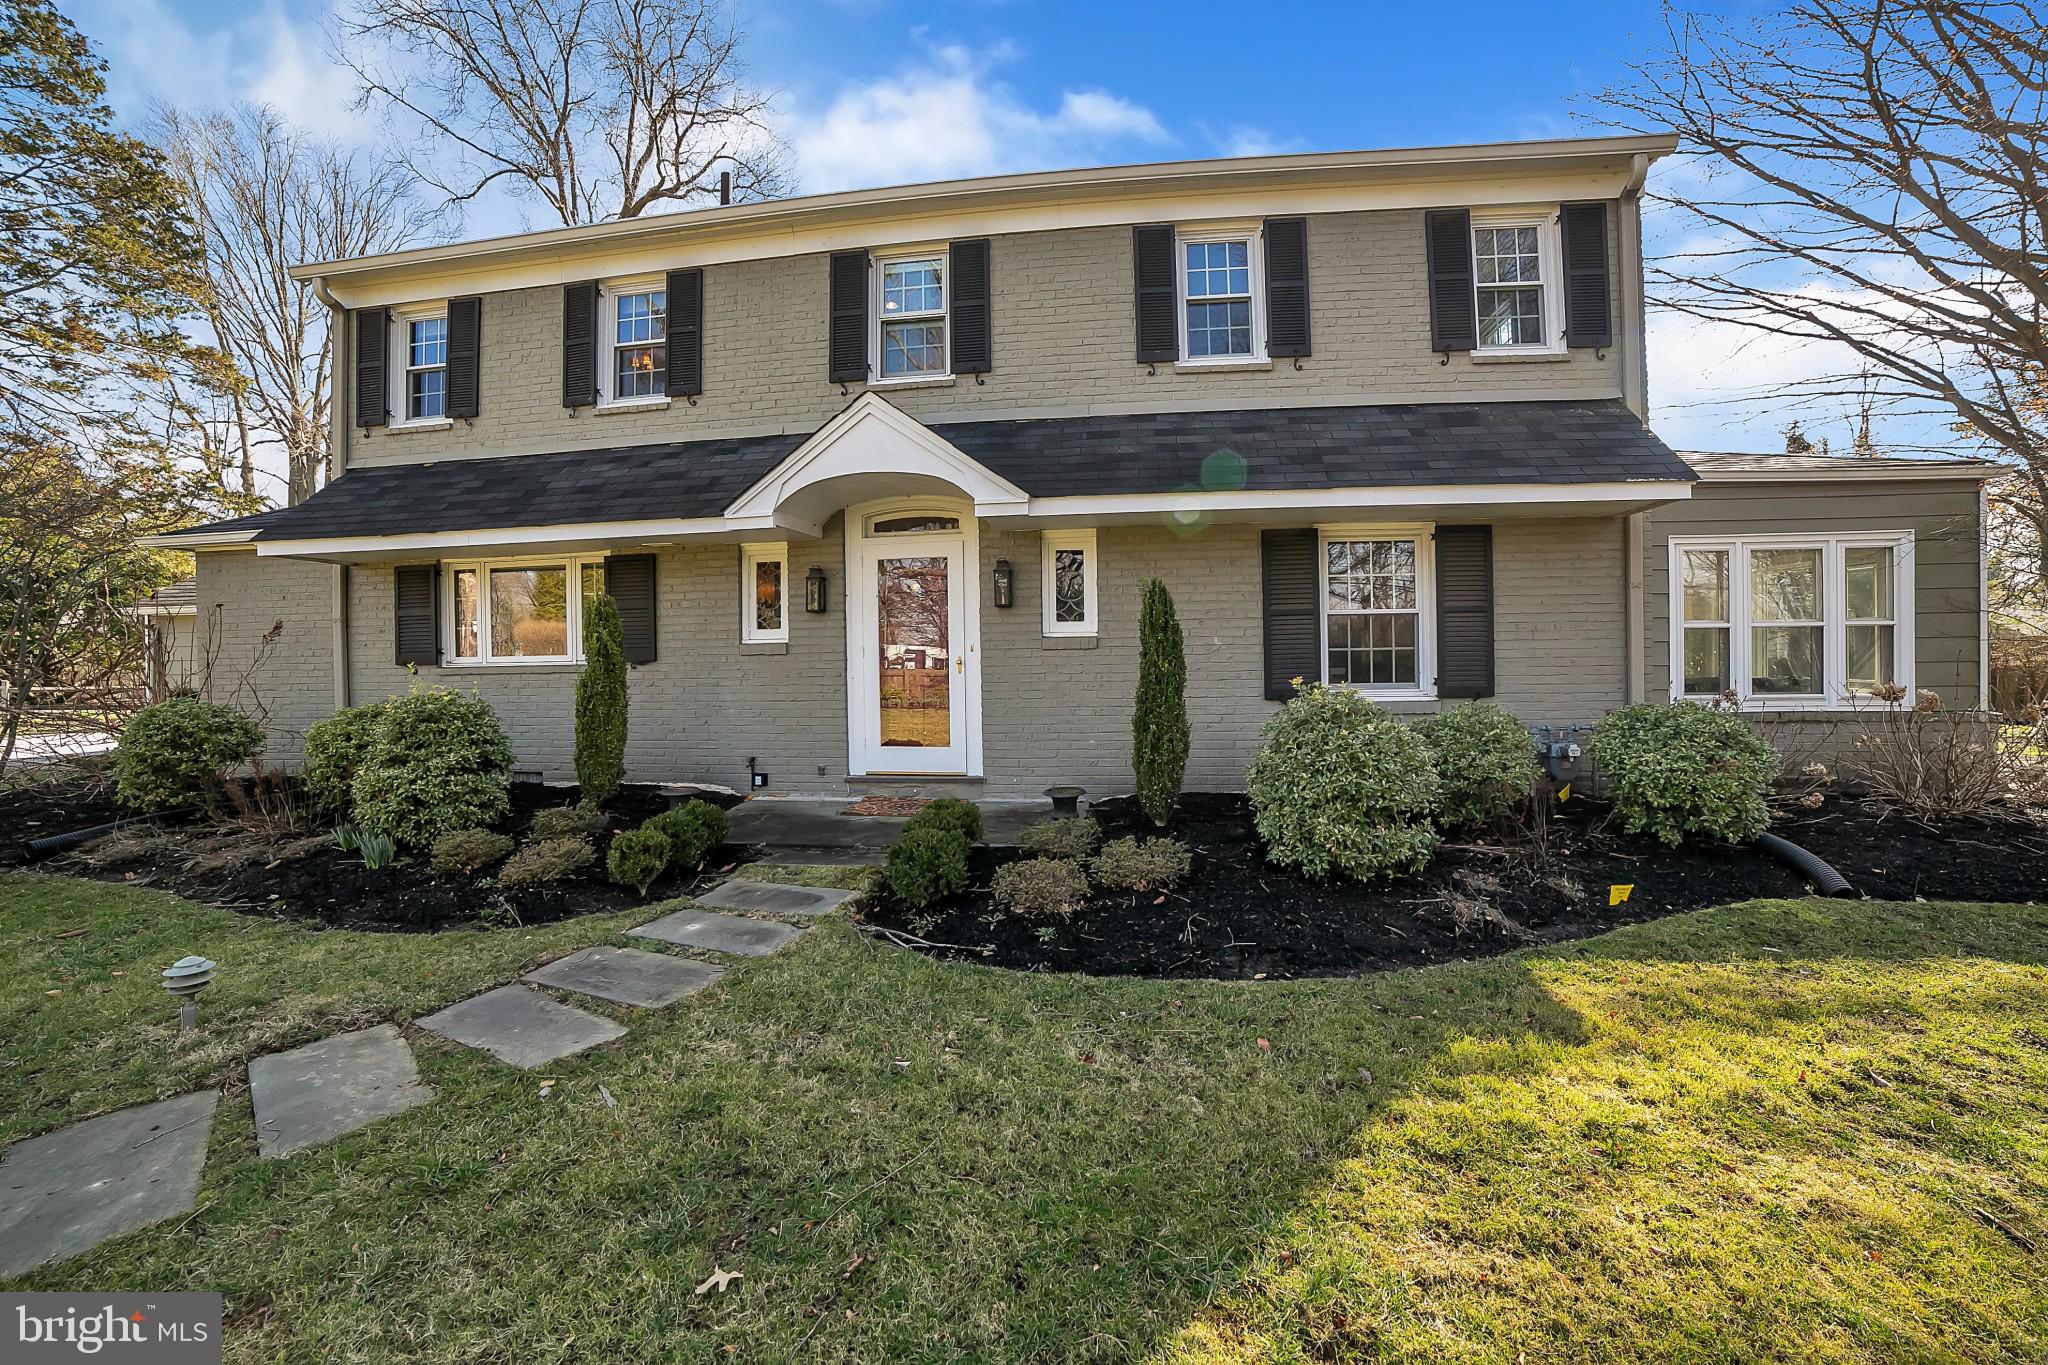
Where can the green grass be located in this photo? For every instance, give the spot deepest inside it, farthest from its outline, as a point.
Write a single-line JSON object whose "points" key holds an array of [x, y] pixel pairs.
{"points": [[1772, 1132]]}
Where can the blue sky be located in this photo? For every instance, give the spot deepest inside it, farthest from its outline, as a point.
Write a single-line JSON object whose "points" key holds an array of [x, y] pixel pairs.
{"points": [[880, 92]]}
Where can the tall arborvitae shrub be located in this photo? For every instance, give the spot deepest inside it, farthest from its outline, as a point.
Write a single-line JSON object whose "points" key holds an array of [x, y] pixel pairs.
{"points": [[1159, 720], [601, 702]]}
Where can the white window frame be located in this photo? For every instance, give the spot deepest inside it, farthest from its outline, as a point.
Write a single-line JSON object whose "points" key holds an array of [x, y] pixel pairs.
{"points": [[1054, 542], [398, 386], [751, 557], [1549, 260], [608, 345], [1253, 236], [943, 255], [1424, 536], [1834, 694], [574, 564]]}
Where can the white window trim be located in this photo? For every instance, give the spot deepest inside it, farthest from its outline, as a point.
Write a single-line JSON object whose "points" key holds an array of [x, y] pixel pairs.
{"points": [[1055, 541], [752, 556], [398, 365], [1550, 260], [941, 254], [1424, 536], [608, 344], [1253, 236], [1834, 694], [575, 565]]}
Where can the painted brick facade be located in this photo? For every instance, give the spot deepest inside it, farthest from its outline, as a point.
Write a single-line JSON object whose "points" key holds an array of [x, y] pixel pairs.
{"points": [[265, 631]]}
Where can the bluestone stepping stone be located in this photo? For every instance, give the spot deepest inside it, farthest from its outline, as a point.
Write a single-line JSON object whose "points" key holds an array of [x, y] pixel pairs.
{"points": [[520, 1027], [628, 976], [719, 933], [64, 1193], [774, 898], [316, 1093]]}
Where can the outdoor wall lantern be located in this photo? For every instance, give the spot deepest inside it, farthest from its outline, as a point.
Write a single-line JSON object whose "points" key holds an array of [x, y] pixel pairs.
{"points": [[1003, 583], [814, 590]]}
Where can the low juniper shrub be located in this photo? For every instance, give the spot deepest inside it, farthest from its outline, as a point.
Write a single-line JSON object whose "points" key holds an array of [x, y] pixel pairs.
{"points": [[1040, 888], [550, 860], [1070, 838], [1678, 770], [637, 857], [466, 852], [1485, 760], [927, 865], [179, 752], [561, 822], [694, 830], [1141, 864]]}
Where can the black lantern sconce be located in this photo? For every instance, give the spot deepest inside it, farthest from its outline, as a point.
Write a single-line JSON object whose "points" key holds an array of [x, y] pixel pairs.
{"points": [[814, 591], [1005, 595]]}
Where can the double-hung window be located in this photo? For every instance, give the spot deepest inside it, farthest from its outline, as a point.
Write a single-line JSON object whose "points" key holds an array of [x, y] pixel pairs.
{"points": [[522, 611], [764, 594], [1378, 611], [1069, 575], [637, 342], [1791, 621], [912, 318], [1517, 278], [1220, 279], [419, 379]]}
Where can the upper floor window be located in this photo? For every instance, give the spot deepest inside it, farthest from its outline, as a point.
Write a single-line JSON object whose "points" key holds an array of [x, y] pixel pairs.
{"points": [[1221, 280], [638, 336], [912, 318], [419, 380], [1517, 276]]}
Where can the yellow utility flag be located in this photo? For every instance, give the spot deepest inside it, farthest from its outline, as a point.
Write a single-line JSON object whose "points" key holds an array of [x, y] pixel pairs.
{"points": [[1564, 793], [1618, 893]]}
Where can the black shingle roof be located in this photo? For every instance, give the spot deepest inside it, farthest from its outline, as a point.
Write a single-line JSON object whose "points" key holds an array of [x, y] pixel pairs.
{"points": [[1258, 450]]}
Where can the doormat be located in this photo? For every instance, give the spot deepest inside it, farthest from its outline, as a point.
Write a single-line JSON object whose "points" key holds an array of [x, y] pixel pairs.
{"points": [[887, 805]]}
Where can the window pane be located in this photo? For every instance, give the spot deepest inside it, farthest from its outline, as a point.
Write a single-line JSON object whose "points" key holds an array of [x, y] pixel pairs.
{"points": [[1219, 329], [921, 521], [643, 317], [1371, 575], [593, 585], [426, 393], [1784, 585], [427, 343], [1070, 587], [1706, 661], [465, 613], [913, 287], [768, 594], [1785, 659], [913, 348], [1867, 582], [530, 613], [1869, 657], [1218, 269], [642, 372], [1373, 651], [1706, 585], [1510, 317]]}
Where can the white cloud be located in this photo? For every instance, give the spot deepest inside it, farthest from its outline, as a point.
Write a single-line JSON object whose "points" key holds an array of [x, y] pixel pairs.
{"points": [[948, 117], [1248, 141]]}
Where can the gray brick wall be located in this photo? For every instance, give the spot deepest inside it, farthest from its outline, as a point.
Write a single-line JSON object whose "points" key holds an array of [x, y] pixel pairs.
{"points": [[265, 633]]}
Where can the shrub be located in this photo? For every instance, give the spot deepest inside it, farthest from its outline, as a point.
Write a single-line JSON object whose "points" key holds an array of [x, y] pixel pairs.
{"points": [[180, 751], [1936, 764], [335, 751], [601, 702], [927, 865], [466, 852], [1485, 760], [1679, 768], [550, 860], [1071, 838], [1341, 786], [1040, 888], [1159, 717], [638, 856], [561, 822], [439, 762], [694, 831], [947, 813], [1141, 864]]}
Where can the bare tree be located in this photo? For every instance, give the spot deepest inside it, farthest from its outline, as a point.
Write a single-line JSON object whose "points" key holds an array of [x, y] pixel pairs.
{"points": [[601, 109], [266, 197], [1869, 173]]}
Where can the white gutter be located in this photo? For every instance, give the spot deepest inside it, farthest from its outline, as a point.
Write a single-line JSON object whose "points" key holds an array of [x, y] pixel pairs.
{"points": [[196, 540], [1851, 473]]}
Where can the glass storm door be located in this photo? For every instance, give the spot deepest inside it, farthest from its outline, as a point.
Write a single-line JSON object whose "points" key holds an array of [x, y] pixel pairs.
{"points": [[919, 685]]}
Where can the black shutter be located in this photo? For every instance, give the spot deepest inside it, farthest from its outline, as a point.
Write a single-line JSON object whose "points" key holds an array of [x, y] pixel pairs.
{"points": [[1287, 286], [1453, 313], [848, 302], [1290, 581], [416, 614], [1464, 611], [973, 335], [465, 355], [685, 332], [629, 581], [1588, 313], [579, 344], [373, 348], [1153, 288]]}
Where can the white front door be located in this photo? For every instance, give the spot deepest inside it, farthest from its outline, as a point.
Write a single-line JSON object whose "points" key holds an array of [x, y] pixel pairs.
{"points": [[913, 657]]}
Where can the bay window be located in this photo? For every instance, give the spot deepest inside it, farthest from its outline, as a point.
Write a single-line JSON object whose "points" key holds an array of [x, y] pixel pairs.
{"points": [[521, 611]]}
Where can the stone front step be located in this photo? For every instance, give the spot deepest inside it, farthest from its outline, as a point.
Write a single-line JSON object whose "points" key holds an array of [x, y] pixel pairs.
{"points": [[713, 932]]}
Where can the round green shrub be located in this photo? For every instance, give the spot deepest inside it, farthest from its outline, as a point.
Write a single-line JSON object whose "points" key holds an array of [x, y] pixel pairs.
{"points": [[466, 852], [1485, 760], [947, 813], [335, 750], [1040, 888], [178, 752], [1070, 838], [559, 822], [439, 762], [927, 865], [694, 831], [1680, 769], [637, 857], [1141, 864], [550, 860], [1341, 786]]}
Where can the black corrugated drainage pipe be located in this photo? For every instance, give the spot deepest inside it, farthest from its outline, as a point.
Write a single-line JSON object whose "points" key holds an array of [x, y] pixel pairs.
{"points": [[1830, 882], [57, 843]]}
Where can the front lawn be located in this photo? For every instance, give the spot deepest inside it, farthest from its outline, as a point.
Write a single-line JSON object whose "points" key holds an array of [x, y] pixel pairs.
{"points": [[1781, 1131]]}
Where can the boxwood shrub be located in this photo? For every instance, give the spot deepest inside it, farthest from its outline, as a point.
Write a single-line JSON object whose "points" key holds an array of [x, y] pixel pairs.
{"points": [[637, 857], [1342, 786], [1678, 770], [927, 865], [947, 813], [335, 750], [439, 762], [178, 752], [694, 831], [1485, 760]]}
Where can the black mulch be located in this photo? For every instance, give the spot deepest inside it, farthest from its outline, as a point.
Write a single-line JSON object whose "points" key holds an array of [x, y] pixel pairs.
{"points": [[63, 802], [1239, 916]]}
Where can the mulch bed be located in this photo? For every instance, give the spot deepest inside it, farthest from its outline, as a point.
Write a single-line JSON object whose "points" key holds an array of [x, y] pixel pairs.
{"points": [[1238, 916], [886, 805], [65, 802]]}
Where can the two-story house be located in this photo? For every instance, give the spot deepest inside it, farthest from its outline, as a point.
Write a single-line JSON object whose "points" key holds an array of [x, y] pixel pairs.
{"points": [[875, 477]]}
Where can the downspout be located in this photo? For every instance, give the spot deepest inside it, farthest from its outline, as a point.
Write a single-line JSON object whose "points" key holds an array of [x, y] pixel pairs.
{"points": [[337, 439], [1635, 392]]}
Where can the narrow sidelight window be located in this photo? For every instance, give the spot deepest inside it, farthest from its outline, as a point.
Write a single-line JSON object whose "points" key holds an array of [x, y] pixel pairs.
{"points": [[1070, 575], [764, 593], [1870, 626], [912, 318], [1706, 622]]}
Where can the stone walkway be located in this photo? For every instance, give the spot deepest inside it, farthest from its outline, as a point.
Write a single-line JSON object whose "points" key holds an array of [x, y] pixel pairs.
{"points": [[64, 1193]]}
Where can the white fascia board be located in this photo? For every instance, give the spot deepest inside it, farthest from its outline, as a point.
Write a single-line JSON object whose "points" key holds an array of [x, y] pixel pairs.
{"points": [[1972, 471], [1368, 499], [561, 534], [174, 540]]}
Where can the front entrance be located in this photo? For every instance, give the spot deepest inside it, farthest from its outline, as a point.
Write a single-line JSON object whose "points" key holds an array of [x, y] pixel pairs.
{"points": [[913, 647]]}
